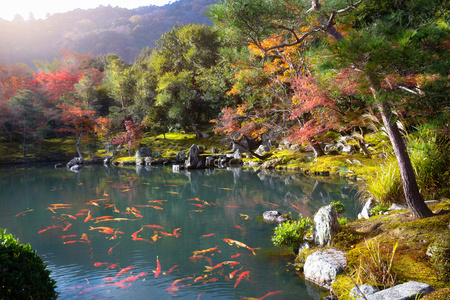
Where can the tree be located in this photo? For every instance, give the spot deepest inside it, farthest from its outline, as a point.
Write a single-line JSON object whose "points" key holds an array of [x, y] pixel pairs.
{"points": [[132, 136], [374, 55]]}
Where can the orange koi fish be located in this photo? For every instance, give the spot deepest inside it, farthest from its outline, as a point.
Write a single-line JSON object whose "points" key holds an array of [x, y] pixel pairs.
{"points": [[197, 204], [67, 227], [69, 216], [241, 276], [50, 227], [238, 226], [296, 207], [171, 269], [132, 278], [125, 270], [225, 263], [245, 216], [233, 206], [107, 230], [134, 235], [116, 210], [176, 193], [104, 217], [232, 274], [108, 205], [239, 244], [200, 278], [206, 185], [88, 217], [273, 204], [68, 236], [99, 264], [142, 240], [153, 226], [196, 253], [175, 232], [111, 249], [21, 213], [112, 266], [158, 267], [84, 237], [270, 294], [227, 189], [155, 207], [208, 235], [174, 185], [70, 242], [210, 280]]}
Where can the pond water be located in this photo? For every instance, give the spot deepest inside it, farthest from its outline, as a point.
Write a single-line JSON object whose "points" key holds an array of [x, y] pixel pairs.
{"points": [[154, 217]]}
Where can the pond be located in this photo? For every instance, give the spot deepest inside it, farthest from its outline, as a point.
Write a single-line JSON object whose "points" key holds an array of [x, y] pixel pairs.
{"points": [[115, 233]]}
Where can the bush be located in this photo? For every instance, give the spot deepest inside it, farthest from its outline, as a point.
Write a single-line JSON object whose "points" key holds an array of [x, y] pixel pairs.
{"points": [[441, 256], [378, 209], [338, 206], [23, 274], [291, 233]]}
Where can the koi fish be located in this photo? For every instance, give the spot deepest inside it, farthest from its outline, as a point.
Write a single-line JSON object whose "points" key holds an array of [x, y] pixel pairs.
{"points": [[108, 205], [238, 226], [206, 185], [99, 264], [245, 216], [133, 278], [175, 232], [111, 249], [296, 207], [112, 266], [142, 239], [233, 206], [270, 294], [196, 253], [225, 263], [134, 235], [158, 267], [174, 185], [232, 274], [88, 217], [171, 269], [208, 235], [107, 230], [197, 257], [273, 204], [227, 189], [21, 213], [239, 244], [49, 227], [93, 203], [241, 276], [176, 193], [67, 227], [137, 214], [153, 226], [155, 207], [125, 270], [69, 216], [104, 217], [197, 204], [68, 236], [200, 278]]}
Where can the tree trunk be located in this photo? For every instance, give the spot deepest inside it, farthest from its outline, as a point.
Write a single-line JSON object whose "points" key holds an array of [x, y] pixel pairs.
{"points": [[78, 145], [318, 151], [24, 142], [413, 198], [363, 147]]}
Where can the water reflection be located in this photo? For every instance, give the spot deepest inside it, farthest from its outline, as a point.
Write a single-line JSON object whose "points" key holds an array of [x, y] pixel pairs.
{"points": [[152, 203]]}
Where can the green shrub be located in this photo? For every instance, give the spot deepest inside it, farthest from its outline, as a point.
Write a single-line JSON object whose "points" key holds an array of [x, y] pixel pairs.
{"points": [[343, 221], [291, 233], [346, 238], [378, 209], [23, 274], [338, 206], [441, 256]]}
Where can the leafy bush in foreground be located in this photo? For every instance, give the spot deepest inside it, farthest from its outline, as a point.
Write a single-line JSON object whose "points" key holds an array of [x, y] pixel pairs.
{"points": [[23, 274], [291, 233]]}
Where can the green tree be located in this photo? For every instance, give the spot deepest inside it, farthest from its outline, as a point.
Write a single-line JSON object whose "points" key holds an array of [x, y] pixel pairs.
{"points": [[385, 42]]}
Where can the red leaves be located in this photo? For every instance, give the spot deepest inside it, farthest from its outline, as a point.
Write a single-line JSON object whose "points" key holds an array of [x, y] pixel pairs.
{"points": [[132, 135]]}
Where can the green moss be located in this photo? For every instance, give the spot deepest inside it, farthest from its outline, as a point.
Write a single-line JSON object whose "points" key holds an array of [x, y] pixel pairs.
{"points": [[347, 238], [342, 287], [442, 294]]}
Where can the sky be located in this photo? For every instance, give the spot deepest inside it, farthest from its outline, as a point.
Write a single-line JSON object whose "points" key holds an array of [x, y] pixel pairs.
{"points": [[40, 8]]}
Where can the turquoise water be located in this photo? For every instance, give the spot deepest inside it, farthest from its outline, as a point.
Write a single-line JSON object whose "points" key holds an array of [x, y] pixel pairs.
{"points": [[152, 216]]}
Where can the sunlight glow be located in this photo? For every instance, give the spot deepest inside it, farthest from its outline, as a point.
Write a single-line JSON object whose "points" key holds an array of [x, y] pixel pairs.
{"points": [[40, 9]]}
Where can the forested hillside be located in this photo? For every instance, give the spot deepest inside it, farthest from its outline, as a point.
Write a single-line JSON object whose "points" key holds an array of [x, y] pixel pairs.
{"points": [[101, 30]]}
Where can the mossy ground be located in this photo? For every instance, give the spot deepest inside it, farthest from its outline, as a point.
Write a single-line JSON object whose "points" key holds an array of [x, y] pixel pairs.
{"points": [[413, 236]]}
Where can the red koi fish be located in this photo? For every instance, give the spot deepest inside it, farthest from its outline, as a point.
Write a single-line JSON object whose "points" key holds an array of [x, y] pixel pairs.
{"points": [[160, 202], [134, 235], [175, 232], [196, 253], [273, 204], [142, 240], [243, 275], [197, 204], [68, 236], [104, 217], [108, 205], [171, 269], [233, 206], [125, 270], [88, 217], [99, 264], [270, 294], [111, 249], [67, 226], [176, 193], [227, 189], [112, 266], [153, 226], [69, 216], [107, 230], [174, 185], [238, 227], [133, 278], [225, 263], [137, 215], [155, 207], [232, 274], [50, 227], [239, 244], [158, 267], [21, 213], [208, 235]]}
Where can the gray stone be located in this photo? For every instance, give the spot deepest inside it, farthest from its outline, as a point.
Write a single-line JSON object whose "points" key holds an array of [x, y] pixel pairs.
{"points": [[357, 292], [274, 216], [139, 161], [271, 163], [148, 160], [322, 267], [193, 158], [251, 163], [107, 160], [75, 161], [214, 150], [143, 152], [262, 149], [237, 154], [76, 168], [406, 291], [325, 225], [181, 157], [365, 212], [398, 206], [348, 149], [209, 162]]}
